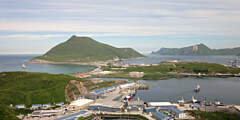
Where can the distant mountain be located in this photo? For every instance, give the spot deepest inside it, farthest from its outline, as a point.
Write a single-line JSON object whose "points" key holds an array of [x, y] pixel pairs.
{"points": [[199, 49], [85, 49]]}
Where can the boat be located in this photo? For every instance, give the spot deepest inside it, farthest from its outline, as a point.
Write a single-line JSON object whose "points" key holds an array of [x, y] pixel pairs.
{"points": [[197, 88], [194, 100], [181, 102], [23, 66]]}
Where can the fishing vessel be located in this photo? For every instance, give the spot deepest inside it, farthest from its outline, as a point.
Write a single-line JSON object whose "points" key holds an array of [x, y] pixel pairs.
{"points": [[194, 100], [181, 102], [197, 88], [24, 66]]}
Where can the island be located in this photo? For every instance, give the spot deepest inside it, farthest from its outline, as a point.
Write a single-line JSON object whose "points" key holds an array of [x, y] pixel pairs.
{"points": [[199, 49]]}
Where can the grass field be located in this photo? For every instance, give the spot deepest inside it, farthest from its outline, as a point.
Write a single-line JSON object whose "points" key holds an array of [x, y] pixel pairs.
{"points": [[214, 115], [165, 69], [38, 88]]}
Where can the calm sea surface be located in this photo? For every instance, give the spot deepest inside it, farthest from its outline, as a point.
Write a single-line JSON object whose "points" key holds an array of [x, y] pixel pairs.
{"points": [[227, 90], [155, 59], [224, 89], [14, 63]]}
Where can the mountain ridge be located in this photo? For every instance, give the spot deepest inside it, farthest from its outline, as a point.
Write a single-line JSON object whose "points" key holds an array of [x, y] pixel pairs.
{"points": [[198, 49]]}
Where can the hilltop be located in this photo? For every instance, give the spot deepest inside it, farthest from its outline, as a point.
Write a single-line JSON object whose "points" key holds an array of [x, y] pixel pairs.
{"points": [[199, 49], [85, 49]]}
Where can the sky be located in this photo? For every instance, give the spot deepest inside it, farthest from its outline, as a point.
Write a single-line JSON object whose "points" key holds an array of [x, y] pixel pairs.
{"points": [[35, 26]]}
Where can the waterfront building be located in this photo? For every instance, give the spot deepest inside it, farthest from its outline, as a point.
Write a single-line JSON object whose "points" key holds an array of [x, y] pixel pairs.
{"points": [[161, 116], [36, 106], [159, 104], [80, 103], [177, 113], [149, 110], [136, 74], [46, 106], [20, 106]]}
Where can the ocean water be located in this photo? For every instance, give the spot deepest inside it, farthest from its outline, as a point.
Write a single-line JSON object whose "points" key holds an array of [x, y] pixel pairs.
{"points": [[155, 59], [225, 90], [14, 63]]}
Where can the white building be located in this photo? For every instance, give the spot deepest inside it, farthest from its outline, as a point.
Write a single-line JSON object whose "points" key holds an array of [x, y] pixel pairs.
{"points": [[45, 106], [136, 74], [160, 104], [20, 106], [80, 103], [36, 106]]}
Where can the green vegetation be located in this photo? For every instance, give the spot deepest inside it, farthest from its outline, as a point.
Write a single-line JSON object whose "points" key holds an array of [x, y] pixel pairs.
{"points": [[158, 76], [6, 113], [201, 50], [116, 116], [39, 88], [214, 115], [171, 70], [187, 67], [85, 49], [32, 88], [21, 111]]}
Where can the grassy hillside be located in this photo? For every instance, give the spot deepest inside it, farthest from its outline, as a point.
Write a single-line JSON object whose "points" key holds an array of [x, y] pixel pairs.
{"points": [[38, 88], [162, 71], [201, 50], [85, 49], [188, 67], [200, 115], [6, 113], [32, 88]]}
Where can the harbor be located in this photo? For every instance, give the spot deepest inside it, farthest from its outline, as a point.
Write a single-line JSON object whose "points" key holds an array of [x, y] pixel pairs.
{"points": [[125, 100]]}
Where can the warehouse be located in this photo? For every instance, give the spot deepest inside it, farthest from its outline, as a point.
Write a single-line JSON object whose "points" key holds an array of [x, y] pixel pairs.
{"points": [[159, 104], [80, 103], [177, 113], [161, 116]]}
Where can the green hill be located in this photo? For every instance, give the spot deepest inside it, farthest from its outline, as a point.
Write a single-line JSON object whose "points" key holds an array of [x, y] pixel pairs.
{"points": [[39, 88], [6, 113], [199, 49], [85, 49]]}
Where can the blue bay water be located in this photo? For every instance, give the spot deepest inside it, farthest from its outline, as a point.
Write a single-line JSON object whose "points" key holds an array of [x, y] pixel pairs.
{"points": [[14, 63], [155, 59], [225, 90]]}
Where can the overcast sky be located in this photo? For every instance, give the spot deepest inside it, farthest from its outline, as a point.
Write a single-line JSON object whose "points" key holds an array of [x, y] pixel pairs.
{"points": [[34, 26]]}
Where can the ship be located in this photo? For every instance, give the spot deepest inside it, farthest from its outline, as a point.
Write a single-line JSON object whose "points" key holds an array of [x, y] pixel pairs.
{"points": [[24, 66], [197, 88], [194, 100], [181, 102]]}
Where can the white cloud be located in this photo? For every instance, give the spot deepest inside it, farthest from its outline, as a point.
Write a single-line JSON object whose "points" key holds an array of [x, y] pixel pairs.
{"points": [[31, 36]]}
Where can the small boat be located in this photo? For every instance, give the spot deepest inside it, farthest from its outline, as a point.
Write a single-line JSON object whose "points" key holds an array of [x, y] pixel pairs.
{"points": [[23, 66], [181, 102], [194, 100], [197, 88]]}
